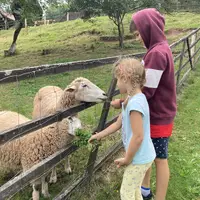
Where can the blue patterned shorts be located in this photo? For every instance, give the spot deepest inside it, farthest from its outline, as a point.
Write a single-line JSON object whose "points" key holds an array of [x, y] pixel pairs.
{"points": [[161, 147]]}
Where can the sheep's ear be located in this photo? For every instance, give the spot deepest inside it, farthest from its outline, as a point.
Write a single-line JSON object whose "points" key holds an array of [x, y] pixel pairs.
{"points": [[71, 89]]}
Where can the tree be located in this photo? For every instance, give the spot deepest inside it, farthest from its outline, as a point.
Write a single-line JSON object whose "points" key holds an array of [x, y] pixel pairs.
{"points": [[115, 9], [21, 9], [56, 10]]}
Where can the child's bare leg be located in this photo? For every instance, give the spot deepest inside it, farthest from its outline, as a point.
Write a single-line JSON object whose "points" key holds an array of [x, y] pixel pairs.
{"points": [[162, 178]]}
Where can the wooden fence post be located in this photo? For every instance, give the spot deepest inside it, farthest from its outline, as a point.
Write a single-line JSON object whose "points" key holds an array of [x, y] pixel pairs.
{"points": [[189, 53], [102, 122], [193, 49], [67, 16], [180, 64], [25, 23]]}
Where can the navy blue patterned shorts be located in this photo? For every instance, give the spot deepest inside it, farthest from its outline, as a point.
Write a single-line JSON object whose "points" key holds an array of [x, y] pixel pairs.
{"points": [[161, 147]]}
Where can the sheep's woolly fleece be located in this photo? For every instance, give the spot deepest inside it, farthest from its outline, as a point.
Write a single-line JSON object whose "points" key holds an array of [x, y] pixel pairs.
{"points": [[34, 147]]}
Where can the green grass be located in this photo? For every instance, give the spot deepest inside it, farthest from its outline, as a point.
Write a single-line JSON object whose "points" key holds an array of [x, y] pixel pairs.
{"points": [[69, 41], [19, 97], [184, 155], [183, 149]]}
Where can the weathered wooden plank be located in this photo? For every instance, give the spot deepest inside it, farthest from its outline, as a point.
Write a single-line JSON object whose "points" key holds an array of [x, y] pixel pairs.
{"points": [[66, 192], [111, 152], [31, 126], [184, 38], [31, 72], [101, 126], [183, 65], [116, 93], [177, 57], [19, 182], [180, 63], [34, 125], [193, 44], [189, 53], [28, 72], [181, 68]]}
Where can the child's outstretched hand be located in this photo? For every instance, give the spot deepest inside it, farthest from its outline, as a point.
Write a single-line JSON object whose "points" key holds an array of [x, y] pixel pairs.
{"points": [[94, 137], [116, 103], [121, 162]]}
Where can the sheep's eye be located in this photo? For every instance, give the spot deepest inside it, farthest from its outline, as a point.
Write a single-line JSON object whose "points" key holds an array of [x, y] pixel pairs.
{"points": [[84, 86]]}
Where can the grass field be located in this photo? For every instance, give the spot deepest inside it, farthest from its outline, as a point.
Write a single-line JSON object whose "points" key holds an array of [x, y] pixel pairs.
{"points": [[184, 155], [78, 40], [73, 41]]}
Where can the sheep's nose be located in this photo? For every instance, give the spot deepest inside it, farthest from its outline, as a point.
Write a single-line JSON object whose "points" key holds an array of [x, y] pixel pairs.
{"points": [[104, 94]]}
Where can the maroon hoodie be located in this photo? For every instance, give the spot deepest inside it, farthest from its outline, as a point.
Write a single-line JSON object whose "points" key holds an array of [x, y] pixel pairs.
{"points": [[160, 88]]}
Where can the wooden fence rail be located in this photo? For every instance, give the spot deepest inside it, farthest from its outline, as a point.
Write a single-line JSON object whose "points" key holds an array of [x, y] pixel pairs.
{"points": [[34, 125], [14, 75], [23, 179], [19, 182]]}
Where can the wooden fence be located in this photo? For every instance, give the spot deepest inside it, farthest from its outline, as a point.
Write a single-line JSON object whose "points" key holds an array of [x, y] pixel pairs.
{"points": [[186, 55]]}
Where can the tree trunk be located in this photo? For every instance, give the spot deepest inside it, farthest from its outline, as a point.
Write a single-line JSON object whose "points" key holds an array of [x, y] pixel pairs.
{"points": [[12, 50], [120, 33], [122, 25]]}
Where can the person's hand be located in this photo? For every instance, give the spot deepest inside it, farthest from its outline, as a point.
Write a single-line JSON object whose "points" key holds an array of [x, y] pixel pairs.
{"points": [[94, 137], [116, 103], [121, 162]]}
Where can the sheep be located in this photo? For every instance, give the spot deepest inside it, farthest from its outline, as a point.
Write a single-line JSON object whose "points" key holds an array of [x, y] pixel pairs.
{"points": [[50, 99], [40, 144], [14, 155], [9, 154]]}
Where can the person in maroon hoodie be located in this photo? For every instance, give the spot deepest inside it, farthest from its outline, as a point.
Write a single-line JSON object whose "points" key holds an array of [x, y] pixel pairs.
{"points": [[160, 91]]}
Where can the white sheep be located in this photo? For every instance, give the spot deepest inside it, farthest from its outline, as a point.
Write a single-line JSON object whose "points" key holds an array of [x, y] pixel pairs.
{"points": [[50, 99], [15, 155], [10, 158], [42, 143]]}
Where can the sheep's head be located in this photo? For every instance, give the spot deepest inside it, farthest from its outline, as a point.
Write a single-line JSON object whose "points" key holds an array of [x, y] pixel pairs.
{"points": [[83, 90], [73, 124]]}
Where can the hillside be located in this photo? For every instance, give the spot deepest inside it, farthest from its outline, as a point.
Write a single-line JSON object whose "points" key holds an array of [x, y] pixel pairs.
{"points": [[79, 40]]}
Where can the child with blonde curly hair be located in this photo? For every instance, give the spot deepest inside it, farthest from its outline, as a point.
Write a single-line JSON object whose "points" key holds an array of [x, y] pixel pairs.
{"points": [[135, 123]]}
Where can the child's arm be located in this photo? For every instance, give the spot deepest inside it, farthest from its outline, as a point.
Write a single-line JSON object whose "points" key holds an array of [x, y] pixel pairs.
{"points": [[136, 140], [117, 103], [111, 129], [155, 65]]}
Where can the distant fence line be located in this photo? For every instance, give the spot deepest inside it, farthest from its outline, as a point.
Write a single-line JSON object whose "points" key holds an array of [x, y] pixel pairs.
{"points": [[6, 23]]}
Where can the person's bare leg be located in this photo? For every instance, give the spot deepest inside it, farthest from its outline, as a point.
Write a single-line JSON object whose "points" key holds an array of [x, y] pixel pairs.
{"points": [[146, 181], [162, 178]]}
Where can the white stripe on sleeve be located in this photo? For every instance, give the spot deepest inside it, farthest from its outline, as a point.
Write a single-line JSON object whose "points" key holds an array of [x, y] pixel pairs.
{"points": [[143, 63], [153, 77]]}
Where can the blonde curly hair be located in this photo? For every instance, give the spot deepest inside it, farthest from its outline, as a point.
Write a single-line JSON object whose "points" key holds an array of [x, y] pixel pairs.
{"points": [[130, 69]]}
